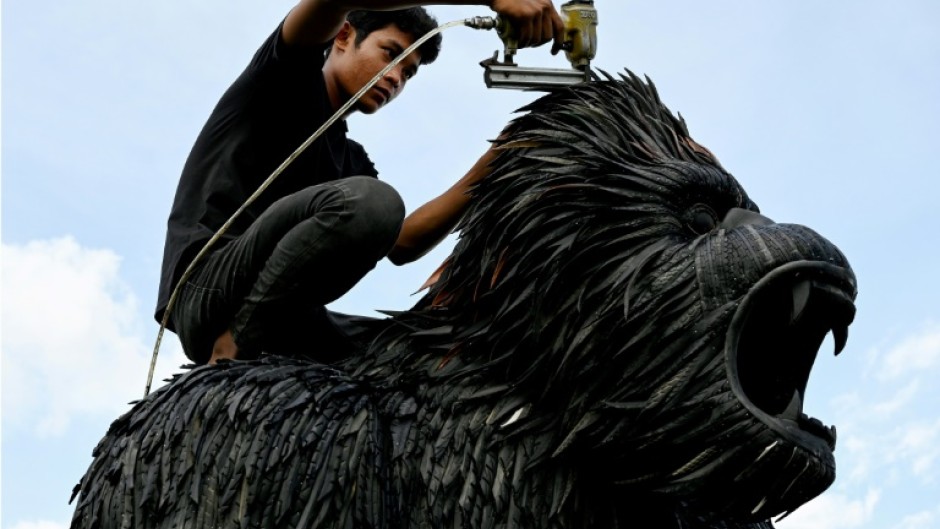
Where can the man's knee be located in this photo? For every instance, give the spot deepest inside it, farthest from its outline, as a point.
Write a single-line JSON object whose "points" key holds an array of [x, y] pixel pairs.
{"points": [[376, 212]]}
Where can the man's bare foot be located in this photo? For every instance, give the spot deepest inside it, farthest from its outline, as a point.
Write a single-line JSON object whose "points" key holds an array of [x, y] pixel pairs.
{"points": [[224, 347]]}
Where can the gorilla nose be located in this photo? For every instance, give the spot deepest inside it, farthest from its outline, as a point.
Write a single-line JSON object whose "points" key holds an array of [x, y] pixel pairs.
{"points": [[741, 217]]}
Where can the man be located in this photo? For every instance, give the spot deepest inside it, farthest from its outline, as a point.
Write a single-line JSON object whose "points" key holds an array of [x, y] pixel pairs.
{"points": [[326, 221]]}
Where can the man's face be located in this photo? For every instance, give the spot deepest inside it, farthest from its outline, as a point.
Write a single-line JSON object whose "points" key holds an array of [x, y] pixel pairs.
{"points": [[357, 65]]}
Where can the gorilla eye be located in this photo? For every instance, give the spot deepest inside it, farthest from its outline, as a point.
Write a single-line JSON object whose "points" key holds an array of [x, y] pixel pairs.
{"points": [[701, 219]]}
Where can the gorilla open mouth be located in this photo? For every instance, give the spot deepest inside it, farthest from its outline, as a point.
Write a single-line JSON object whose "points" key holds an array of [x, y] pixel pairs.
{"points": [[774, 338]]}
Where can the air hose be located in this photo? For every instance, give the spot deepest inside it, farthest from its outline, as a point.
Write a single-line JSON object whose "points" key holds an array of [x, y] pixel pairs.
{"points": [[474, 22]]}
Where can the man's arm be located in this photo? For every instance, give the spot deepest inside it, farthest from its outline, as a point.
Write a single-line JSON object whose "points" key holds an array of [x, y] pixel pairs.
{"points": [[424, 228], [314, 22]]}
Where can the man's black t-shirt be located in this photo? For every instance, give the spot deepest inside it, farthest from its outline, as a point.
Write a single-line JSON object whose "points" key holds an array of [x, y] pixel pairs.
{"points": [[270, 110]]}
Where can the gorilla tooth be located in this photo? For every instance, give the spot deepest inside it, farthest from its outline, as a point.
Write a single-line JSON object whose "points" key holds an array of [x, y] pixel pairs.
{"points": [[800, 298], [793, 409], [840, 334]]}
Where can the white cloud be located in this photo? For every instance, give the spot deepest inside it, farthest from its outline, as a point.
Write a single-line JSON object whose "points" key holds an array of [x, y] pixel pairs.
{"points": [[42, 524], [833, 511], [860, 453], [920, 443], [890, 450], [921, 520], [73, 342], [915, 354], [901, 399]]}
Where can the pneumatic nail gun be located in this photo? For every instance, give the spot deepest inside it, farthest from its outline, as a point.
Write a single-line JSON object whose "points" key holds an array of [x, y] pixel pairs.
{"points": [[580, 47]]}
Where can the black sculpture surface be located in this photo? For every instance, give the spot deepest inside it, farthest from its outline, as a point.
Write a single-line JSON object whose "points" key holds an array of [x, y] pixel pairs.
{"points": [[619, 339]]}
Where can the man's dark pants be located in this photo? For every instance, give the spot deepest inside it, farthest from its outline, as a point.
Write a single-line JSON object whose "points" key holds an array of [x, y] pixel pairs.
{"points": [[269, 286]]}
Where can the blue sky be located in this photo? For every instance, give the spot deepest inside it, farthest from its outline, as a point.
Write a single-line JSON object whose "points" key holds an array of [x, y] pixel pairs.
{"points": [[827, 112]]}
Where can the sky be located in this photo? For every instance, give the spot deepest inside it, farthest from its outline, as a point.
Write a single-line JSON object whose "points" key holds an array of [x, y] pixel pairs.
{"points": [[827, 112]]}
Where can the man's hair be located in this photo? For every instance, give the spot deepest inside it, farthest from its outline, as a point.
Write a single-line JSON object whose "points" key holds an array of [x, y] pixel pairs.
{"points": [[415, 21]]}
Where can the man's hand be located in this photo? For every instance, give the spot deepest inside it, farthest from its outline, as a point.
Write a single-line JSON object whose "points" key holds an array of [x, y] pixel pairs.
{"points": [[536, 21]]}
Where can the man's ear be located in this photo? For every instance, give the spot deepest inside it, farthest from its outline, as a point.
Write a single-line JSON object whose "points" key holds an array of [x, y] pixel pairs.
{"points": [[345, 38]]}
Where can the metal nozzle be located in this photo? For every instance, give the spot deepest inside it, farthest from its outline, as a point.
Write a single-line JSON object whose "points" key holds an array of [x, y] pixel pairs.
{"points": [[481, 23]]}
